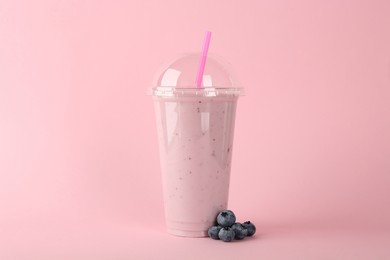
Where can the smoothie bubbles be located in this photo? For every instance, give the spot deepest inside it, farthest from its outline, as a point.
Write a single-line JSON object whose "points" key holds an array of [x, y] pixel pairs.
{"points": [[195, 99]]}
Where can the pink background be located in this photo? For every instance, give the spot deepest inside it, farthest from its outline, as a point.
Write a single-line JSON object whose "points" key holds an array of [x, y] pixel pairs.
{"points": [[79, 169]]}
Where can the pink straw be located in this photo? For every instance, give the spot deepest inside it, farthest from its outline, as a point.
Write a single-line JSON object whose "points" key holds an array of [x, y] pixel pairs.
{"points": [[202, 64]]}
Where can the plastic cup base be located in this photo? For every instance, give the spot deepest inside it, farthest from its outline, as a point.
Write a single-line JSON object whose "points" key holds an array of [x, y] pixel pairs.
{"points": [[187, 233]]}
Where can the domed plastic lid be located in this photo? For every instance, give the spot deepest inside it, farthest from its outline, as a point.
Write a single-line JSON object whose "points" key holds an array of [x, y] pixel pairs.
{"points": [[178, 78]]}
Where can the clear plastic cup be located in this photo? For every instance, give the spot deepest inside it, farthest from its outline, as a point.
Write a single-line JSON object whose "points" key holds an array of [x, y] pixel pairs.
{"points": [[195, 129]]}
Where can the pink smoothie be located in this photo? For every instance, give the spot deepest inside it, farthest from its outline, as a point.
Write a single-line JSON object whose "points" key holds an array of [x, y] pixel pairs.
{"points": [[196, 140]]}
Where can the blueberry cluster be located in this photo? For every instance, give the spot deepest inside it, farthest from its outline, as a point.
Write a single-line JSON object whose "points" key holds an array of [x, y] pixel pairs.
{"points": [[228, 229]]}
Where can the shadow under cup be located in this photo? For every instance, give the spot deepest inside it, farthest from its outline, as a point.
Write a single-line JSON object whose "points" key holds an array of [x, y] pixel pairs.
{"points": [[195, 131]]}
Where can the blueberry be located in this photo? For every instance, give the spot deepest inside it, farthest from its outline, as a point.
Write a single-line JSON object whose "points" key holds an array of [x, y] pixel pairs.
{"points": [[226, 234], [213, 232], [250, 227], [226, 218], [239, 230]]}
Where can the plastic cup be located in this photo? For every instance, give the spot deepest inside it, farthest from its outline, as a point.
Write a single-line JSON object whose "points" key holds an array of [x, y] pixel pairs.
{"points": [[195, 131]]}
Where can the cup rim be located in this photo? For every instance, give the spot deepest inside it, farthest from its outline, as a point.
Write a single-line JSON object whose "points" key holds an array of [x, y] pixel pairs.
{"points": [[166, 91]]}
